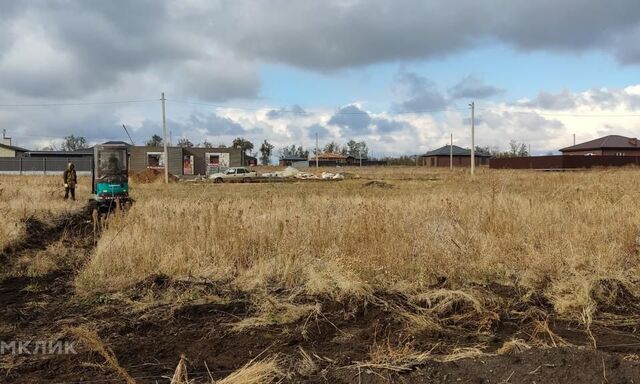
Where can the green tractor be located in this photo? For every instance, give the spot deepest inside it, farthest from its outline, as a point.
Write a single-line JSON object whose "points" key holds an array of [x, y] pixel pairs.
{"points": [[110, 187]]}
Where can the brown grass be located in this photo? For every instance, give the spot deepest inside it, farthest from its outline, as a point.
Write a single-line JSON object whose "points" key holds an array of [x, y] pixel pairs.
{"points": [[558, 233], [39, 197]]}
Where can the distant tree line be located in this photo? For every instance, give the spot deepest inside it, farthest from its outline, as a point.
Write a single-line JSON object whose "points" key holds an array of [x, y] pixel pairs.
{"points": [[350, 148]]}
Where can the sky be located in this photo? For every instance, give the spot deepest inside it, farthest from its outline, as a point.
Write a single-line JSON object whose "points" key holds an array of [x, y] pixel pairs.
{"points": [[398, 74]]}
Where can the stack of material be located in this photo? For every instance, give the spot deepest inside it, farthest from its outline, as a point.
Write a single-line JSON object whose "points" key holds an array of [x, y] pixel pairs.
{"points": [[288, 172], [331, 176], [305, 176]]}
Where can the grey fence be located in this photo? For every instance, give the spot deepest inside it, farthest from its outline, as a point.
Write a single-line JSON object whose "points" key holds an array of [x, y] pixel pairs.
{"points": [[43, 165]]}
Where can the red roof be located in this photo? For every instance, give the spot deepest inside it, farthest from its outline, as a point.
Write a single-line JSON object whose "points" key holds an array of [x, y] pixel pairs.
{"points": [[607, 142]]}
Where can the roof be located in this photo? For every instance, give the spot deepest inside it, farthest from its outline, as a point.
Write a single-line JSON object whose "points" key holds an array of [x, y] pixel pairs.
{"points": [[611, 141], [293, 158], [457, 151], [357, 157], [79, 152], [330, 155], [116, 142], [13, 147]]}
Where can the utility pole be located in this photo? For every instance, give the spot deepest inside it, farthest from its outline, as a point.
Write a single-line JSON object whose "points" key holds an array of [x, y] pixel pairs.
{"points": [[574, 139], [529, 152], [360, 155], [317, 150], [473, 137], [451, 153], [164, 140]]}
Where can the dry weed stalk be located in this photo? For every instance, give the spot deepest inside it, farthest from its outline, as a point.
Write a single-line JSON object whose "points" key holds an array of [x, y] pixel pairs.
{"points": [[255, 372], [512, 347], [462, 353], [180, 375], [94, 342], [272, 311]]}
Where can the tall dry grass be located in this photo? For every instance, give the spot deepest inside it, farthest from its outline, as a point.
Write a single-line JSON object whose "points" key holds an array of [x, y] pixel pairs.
{"points": [[557, 233], [39, 197]]}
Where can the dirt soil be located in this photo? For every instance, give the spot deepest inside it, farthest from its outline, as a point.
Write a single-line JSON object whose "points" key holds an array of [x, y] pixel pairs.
{"points": [[340, 339]]}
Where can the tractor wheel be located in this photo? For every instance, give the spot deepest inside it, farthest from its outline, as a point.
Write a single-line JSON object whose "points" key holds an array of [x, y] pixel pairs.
{"points": [[218, 180]]}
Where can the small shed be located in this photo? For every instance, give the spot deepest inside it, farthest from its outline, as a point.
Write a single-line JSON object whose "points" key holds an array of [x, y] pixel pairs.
{"points": [[441, 157], [294, 161]]}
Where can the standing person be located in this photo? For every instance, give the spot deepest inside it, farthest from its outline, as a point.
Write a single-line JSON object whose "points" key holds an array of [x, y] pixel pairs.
{"points": [[70, 180]]}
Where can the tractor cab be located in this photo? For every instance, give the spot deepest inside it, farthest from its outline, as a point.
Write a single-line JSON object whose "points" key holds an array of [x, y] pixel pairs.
{"points": [[111, 173]]}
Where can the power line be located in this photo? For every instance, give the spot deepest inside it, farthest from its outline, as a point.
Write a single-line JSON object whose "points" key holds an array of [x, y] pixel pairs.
{"points": [[299, 112], [78, 104]]}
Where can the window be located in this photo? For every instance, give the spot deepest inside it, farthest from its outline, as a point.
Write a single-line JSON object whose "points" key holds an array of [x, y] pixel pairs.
{"points": [[112, 162], [155, 160], [241, 170], [230, 172], [619, 153]]}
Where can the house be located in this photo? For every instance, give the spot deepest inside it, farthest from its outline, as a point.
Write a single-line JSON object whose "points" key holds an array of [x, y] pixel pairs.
{"points": [[250, 161], [294, 161], [357, 160], [329, 159], [612, 145], [441, 157], [8, 150], [184, 160]]}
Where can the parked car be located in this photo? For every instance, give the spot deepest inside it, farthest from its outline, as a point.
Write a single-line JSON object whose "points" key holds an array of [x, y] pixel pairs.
{"points": [[234, 174]]}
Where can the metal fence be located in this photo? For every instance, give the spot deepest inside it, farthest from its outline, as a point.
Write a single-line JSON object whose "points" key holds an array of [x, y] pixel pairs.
{"points": [[563, 162], [43, 165]]}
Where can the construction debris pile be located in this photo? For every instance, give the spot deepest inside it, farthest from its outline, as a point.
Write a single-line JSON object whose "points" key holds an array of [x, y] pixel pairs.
{"points": [[291, 172]]}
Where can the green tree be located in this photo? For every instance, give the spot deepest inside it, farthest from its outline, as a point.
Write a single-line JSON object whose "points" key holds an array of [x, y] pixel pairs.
{"points": [[265, 152], [185, 143], [332, 147], [73, 143], [155, 141], [302, 153], [357, 148], [243, 144]]}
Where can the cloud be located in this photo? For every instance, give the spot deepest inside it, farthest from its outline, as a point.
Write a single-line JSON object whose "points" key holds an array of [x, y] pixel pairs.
{"points": [[385, 126], [472, 87], [213, 50], [336, 34], [352, 120], [212, 124], [595, 99], [322, 132], [421, 93], [294, 110]]}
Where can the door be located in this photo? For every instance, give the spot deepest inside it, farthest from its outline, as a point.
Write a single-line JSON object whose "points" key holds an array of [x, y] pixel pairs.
{"points": [[187, 165]]}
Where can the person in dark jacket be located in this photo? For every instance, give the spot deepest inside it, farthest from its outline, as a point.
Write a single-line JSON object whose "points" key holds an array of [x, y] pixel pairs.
{"points": [[70, 181]]}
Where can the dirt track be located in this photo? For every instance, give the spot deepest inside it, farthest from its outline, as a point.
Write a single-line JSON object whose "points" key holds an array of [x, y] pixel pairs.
{"points": [[148, 343]]}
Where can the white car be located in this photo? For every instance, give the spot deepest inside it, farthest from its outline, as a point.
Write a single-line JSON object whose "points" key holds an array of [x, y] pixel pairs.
{"points": [[234, 174]]}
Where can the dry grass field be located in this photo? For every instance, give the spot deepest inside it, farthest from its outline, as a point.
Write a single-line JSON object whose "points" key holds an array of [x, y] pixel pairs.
{"points": [[34, 197], [393, 274], [559, 234]]}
